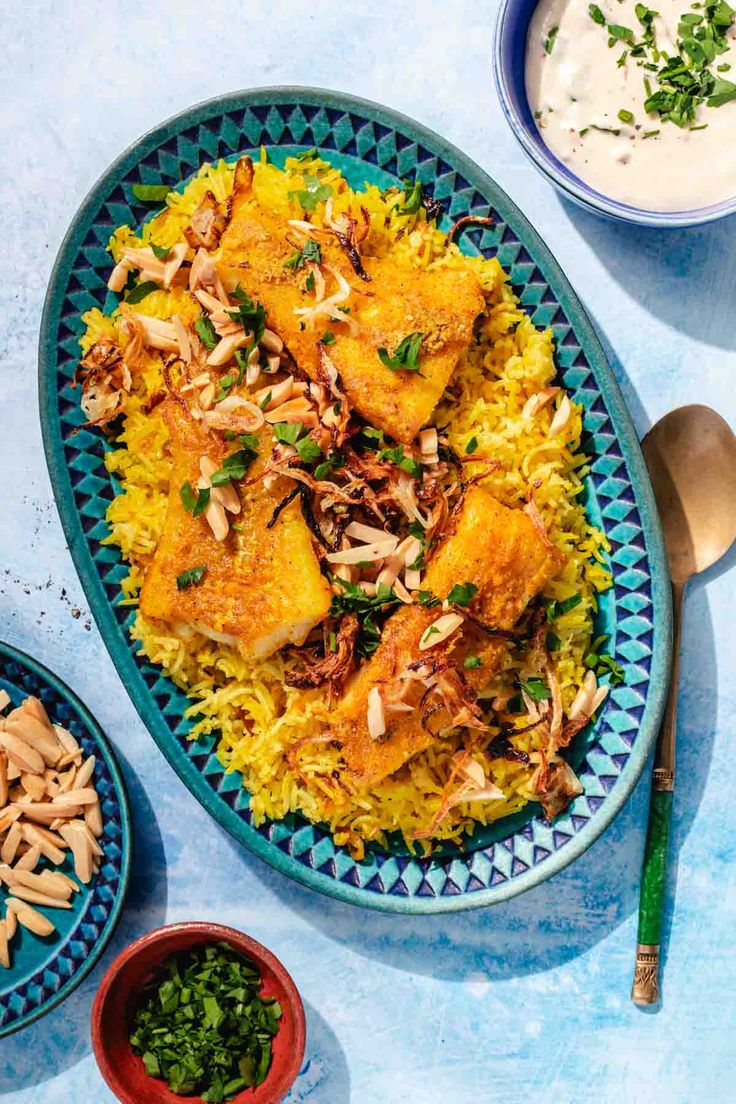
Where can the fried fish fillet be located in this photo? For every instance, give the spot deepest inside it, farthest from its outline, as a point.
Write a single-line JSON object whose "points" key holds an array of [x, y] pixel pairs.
{"points": [[262, 588], [502, 554], [440, 303]]}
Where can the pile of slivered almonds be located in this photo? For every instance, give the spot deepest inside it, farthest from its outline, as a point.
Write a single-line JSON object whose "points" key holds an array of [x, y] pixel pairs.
{"points": [[48, 806]]}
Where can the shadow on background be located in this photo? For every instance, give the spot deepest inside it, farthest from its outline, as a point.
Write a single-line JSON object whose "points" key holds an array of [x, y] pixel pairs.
{"points": [[61, 1039], [663, 270], [324, 1063]]}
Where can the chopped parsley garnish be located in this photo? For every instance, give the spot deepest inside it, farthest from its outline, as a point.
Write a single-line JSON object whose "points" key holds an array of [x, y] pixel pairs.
{"points": [[308, 450], [553, 642], [536, 689], [368, 608], [206, 332], [291, 434], [150, 193], [266, 400], [412, 198], [287, 432], [416, 529], [225, 387], [557, 608], [626, 116], [251, 315], [202, 1025], [194, 502], [307, 155], [405, 356], [471, 446], [309, 282], [406, 463], [234, 466], [327, 338], [603, 663], [309, 254], [427, 598], [472, 662], [190, 577], [160, 251], [596, 15], [333, 462], [313, 192], [462, 594], [549, 41], [140, 291]]}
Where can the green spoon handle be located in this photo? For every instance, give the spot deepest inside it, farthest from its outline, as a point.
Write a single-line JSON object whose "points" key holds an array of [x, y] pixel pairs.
{"points": [[645, 989]]}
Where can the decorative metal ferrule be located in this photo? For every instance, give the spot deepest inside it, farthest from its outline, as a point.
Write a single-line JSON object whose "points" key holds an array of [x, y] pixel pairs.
{"points": [[645, 989], [663, 779]]}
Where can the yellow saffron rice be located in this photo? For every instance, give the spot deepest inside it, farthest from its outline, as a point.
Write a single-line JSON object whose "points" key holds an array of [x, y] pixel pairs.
{"points": [[260, 722]]}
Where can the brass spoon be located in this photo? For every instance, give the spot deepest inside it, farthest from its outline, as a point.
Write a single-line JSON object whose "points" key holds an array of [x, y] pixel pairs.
{"points": [[691, 456]]}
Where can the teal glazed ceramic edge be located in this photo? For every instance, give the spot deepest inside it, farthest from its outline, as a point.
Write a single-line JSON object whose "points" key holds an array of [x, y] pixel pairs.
{"points": [[355, 133], [85, 931]]}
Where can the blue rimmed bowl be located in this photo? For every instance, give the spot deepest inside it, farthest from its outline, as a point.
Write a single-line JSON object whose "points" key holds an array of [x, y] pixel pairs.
{"points": [[370, 143], [45, 971], [509, 55]]}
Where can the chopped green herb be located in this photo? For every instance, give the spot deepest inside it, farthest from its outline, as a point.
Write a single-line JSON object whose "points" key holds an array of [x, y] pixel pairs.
{"points": [[159, 251], [194, 502], [406, 463], [327, 338], [472, 662], [371, 611], [202, 1025], [150, 193], [549, 41], [723, 68], [617, 33], [722, 92], [553, 642], [286, 432], [251, 315], [596, 15], [427, 598], [536, 689], [333, 641], [462, 594], [309, 254], [234, 466], [314, 192], [266, 400], [225, 387], [471, 446], [584, 131], [557, 608], [308, 450], [307, 155], [626, 116], [206, 332], [190, 577], [622, 60], [412, 198], [405, 355], [140, 291], [650, 133], [333, 462], [309, 282]]}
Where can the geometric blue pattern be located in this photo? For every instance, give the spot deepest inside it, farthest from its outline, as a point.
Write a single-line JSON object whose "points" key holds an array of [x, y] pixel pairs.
{"points": [[374, 144], [45, 971]]}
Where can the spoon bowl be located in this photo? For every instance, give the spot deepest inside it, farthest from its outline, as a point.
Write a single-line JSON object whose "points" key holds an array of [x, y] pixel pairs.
{"points": [[691, 456]]}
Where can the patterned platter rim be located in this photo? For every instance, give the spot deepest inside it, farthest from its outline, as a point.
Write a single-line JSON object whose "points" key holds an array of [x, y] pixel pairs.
{"points": [[472, 878], [89, 957]]}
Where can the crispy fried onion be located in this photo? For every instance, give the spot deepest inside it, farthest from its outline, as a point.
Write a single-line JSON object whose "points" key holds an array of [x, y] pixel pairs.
{"points": [[105, 380], [335, 666], [466, 782], [207, 224], [463, 223], [555, 783]]}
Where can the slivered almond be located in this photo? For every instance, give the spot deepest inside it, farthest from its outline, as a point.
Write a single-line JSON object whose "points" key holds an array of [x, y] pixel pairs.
{"points": [[182, 340], [227, 497], [23, 893], [25, 757], [217, 519], [4, 952], [9, 816], [29, 861], [46, 811], [158, 334], [370, 553], [6, 874], [30, 918], [10, 844], [173, 262], [227, 347], [67, 780], [85, 795], [367, 533], [279, 393], [440, 630], [3, 779], [93, 819], [48, 849], [51, 889], [85, 772], [67, 741], [561, 418], [4, 699], [376, 715], [11, 923], [271, 342], [61, 879], [81, 850], [95, 848], [34, 786], [538, 401], [36, 708]]}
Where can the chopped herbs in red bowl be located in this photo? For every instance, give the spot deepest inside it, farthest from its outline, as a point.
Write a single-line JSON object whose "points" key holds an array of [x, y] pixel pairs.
{"points": [[200, 1012]]}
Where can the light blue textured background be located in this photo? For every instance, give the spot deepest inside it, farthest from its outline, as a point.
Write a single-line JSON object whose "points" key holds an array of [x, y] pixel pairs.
{"points": [[525, 1002]]}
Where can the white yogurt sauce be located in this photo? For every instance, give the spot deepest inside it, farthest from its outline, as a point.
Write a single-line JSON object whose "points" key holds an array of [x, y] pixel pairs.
{"points": [[578, 86]]}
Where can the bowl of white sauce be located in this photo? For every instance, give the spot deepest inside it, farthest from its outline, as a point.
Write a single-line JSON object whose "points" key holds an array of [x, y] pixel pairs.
{"points": [[629, 110]]}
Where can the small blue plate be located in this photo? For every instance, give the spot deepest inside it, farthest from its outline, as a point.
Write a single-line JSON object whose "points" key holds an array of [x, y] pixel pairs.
{"points": [[45, 971], [509, 58]]}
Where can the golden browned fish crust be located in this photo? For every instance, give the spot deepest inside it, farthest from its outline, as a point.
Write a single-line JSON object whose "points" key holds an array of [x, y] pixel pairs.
{"points": [[502, 554], [440, 303], [262, 587]]}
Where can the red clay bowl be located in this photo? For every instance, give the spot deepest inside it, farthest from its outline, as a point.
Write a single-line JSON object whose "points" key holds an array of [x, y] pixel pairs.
{"points": [[118, 994]]}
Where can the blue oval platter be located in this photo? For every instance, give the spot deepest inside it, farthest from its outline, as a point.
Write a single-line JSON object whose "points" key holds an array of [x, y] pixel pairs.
{"points": [[374, 144], [45, 971]]}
